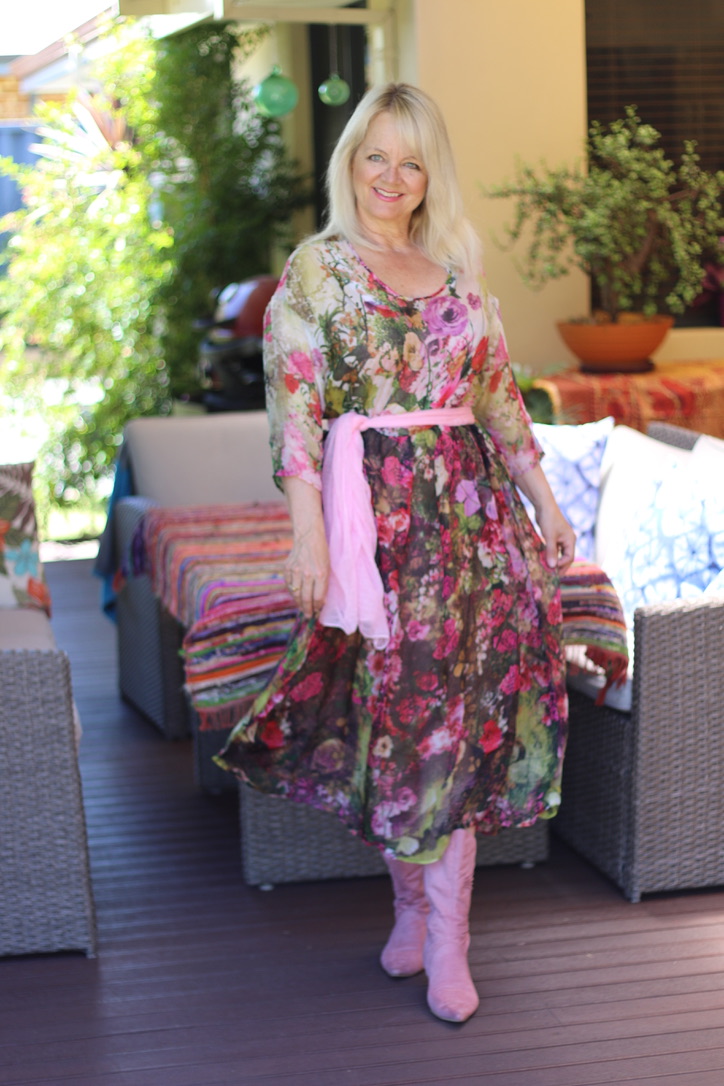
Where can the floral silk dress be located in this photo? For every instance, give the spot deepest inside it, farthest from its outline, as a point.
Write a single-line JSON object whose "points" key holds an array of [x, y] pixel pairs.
{"points": [[461, 720]]}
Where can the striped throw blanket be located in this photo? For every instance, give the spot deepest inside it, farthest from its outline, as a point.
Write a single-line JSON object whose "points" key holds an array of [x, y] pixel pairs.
{"points": [[218, 570]]}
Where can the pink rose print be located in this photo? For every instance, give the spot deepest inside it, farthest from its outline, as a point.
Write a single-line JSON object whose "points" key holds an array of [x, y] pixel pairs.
{"points": [[506, 641], [308, 688], [301, 363], [394, 473], [445, 316]]}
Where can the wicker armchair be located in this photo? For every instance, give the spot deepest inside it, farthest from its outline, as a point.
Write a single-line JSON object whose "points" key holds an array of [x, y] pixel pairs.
{"points": [[643, 792], [46, 900]]}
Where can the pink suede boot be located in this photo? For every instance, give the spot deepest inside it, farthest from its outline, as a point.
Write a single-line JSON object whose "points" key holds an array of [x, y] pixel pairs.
{"points": [[402, 955], [448, 884]]}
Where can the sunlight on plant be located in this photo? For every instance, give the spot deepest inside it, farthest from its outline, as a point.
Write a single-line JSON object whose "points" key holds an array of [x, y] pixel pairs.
{"points": [[638, 224], [149, 190]]}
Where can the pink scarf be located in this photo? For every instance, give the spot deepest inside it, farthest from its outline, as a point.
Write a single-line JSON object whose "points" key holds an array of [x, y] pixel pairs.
{"points": [[355, 597]]}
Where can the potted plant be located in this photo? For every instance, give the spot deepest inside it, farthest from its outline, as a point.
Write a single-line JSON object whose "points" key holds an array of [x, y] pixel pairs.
{"points": [[639, 225]]}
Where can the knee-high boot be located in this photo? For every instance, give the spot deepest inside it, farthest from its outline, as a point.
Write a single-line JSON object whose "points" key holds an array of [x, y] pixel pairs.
{"points": [[448, 884], [402, 955]]}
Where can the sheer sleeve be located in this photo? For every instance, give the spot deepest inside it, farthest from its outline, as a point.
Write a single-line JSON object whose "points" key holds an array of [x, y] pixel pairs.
{"points": [[499, 406], [295, 368]]}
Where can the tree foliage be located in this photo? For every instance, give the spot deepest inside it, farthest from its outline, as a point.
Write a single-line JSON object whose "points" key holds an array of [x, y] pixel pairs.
{"points": [[85, 261], [638, 224], [150, 191], [230, 188]]}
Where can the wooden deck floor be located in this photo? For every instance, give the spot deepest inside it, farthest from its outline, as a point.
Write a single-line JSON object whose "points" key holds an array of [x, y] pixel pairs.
{"points": [[201, 980]]}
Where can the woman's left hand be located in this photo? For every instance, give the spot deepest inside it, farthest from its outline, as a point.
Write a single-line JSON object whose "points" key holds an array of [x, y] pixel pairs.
{"points": [[559, 538]]}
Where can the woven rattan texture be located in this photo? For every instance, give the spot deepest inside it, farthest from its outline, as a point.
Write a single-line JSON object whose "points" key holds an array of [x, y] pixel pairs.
{"points": [[643, 793], [46, 901], [672, 435], [290, 842]]}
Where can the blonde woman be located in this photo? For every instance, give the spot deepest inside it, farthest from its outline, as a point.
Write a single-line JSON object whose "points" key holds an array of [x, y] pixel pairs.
{"points": [[422, 697]]}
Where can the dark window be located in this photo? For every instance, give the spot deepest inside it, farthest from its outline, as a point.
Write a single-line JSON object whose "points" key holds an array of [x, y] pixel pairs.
{"points": [[666, 57], [348, 43]]}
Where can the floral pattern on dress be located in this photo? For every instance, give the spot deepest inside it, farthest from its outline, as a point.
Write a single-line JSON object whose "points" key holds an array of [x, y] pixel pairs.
{"points": [[461, 719]]}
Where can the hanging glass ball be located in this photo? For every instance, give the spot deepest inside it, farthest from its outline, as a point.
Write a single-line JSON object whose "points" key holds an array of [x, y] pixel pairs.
{"points": [[334, 91], [275, 95]]}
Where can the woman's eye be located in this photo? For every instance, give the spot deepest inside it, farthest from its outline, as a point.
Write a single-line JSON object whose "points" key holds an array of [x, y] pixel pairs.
{"points": [[412, 165], [375, 158]]}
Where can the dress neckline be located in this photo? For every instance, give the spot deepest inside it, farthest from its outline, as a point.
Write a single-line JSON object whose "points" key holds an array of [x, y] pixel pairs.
{"points": [[396, 293]]}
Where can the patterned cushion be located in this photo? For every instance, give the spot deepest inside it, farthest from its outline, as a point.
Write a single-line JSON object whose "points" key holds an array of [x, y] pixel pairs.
{"points": [[674, 534], [572, 466], [716, 587], [22, 583]]}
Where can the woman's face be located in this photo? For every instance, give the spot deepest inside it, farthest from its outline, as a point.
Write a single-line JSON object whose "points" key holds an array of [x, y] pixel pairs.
{"points": [[388, 179]]}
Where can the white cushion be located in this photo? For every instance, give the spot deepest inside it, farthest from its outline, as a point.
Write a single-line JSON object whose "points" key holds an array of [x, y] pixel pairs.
{"points": [[202, 459], [25, 628], [572, 466], [661, 521], [633, 465], [708, 445]]}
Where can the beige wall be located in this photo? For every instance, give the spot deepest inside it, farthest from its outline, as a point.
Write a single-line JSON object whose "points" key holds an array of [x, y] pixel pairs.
{"points": [[510, 79]]}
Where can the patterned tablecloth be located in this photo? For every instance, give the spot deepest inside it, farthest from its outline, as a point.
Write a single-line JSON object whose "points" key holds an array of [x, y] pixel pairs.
{"points": [[689, 394], [218, 570]]}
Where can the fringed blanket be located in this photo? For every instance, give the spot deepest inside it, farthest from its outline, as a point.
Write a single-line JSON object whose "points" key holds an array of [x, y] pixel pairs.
{"points": [[593, 617], [218, 570]]}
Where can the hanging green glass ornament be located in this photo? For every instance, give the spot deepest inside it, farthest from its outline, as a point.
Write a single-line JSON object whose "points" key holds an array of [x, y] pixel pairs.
{"points": [[334, 91], [275, 95]]}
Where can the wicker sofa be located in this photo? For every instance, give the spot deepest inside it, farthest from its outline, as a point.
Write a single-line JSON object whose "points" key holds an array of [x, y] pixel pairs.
{"points": [[225, 458], [46, 899], [643, 783]]}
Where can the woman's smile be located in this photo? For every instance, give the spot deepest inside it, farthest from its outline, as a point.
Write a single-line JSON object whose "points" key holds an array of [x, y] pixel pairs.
{"points": [[388, 178]]}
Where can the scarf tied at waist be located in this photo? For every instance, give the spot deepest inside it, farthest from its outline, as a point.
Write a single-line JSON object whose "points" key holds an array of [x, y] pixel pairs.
{"points": [[355, 596]]}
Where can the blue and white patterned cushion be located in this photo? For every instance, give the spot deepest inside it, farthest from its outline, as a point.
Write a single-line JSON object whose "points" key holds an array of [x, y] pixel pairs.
{"points": [[674, 539], [716, 587], [572, 466]]}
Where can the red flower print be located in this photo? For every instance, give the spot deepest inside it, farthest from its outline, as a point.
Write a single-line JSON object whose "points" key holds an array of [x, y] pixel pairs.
{"points": [[448, 643], [291, 382], [308, 688], [511, 683], [38, 591], [481, 353], [271, 735], [492, 736], [506, 641], [555, 615], [495, 380]]}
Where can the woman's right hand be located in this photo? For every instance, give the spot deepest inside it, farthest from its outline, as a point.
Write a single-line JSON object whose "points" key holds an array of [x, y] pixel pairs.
{"points": [[306, 570]]}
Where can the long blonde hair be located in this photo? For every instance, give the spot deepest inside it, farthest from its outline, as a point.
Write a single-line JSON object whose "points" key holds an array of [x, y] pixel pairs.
{"points": [[439, 226]]}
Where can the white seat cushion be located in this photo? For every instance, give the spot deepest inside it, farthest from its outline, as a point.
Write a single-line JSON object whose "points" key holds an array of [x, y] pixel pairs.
{"points": [[24, 628], [202, 459]]}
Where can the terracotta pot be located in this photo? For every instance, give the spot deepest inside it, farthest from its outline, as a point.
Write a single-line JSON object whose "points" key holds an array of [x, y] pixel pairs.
{"points": [[625, 347]]}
